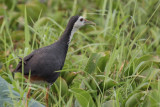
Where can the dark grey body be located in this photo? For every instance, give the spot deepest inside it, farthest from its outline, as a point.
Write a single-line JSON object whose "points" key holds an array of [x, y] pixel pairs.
{"points": [[44, 62]]}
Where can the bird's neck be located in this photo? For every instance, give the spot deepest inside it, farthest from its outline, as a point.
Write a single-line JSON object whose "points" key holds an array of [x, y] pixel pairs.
{"points": [[67, 35], [71, 35]]}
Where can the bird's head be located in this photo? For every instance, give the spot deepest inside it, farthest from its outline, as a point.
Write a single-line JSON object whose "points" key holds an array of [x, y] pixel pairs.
{"points": [[74, 24], [81, 21], [77, 22]]}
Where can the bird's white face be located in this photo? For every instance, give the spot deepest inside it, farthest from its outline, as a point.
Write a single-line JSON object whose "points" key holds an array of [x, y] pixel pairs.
{"points": [[80, 22]]}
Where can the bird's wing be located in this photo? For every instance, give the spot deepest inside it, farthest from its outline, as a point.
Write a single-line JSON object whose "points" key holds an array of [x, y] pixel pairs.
{"points": [[27, 58]]}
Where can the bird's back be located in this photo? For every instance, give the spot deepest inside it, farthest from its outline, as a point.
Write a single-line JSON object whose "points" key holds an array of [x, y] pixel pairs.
{"points": [[45, 61]]}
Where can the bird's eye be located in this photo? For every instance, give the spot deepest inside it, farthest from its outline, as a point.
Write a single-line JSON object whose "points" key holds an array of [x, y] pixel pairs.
{"points": [[81, 19]]}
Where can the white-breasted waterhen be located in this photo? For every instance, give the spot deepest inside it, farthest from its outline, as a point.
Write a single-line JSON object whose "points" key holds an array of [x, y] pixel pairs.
{"points": [[43, 63]]}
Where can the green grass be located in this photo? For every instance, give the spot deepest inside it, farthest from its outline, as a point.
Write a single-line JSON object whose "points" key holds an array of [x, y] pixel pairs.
{"points": [[113, 64]]}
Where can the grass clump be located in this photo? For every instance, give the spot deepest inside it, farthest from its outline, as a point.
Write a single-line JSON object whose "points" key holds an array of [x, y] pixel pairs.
{"points": [[115, 63]]}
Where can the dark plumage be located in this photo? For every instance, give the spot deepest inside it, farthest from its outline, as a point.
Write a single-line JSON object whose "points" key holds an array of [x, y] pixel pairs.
{"points": [[43, 62]]}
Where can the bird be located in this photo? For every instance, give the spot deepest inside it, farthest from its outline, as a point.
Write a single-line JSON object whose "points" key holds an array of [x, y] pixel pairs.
{"points": [[41, 64]]}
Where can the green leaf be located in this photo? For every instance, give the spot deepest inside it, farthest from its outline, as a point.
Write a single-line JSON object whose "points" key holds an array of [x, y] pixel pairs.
{"points": [[142, 63], [42, 21], [151, 73], [143, 86], [134, 100], [97, 61], [108, 83], [83, 97], [150, 58], [60, 86], [110, 103], [13, 17], [102, 61], [69, 77], [76, 83], [152, 99], [91, 65], [33, 9]]}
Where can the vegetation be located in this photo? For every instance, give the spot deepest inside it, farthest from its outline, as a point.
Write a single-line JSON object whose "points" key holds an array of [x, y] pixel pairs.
{"points": [[116, 63]]}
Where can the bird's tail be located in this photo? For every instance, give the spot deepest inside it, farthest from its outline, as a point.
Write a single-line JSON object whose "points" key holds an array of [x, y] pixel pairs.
{"points": [[19, 65], [17, 68], [13, 74]]}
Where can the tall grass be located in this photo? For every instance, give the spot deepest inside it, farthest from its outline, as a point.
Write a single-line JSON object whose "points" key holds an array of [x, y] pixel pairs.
{"points": [[115, 63]]}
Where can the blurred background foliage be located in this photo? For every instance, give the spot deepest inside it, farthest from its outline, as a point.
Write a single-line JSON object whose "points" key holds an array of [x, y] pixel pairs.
{"points": [[115, 63]]}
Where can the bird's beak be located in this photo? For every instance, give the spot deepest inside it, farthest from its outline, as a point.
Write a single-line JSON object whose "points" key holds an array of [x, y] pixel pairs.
{"points": [[89, 22]]}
